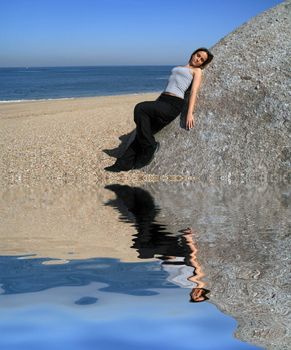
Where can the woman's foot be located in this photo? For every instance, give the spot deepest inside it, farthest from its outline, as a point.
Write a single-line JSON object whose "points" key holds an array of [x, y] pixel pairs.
{"points": [[125, 162], [146, 158], [119, 166], [113, 168]]}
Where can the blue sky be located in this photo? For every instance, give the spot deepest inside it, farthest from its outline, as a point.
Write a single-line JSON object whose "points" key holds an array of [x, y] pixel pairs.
{"points": [[116, 32]]}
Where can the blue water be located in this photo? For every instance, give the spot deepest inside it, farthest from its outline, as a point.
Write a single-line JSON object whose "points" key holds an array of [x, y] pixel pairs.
{"points": [[65, 82], [104, 304]]}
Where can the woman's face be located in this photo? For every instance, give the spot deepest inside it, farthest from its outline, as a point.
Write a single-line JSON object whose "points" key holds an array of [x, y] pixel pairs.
{"points": [[198, 58], [198, 294]]}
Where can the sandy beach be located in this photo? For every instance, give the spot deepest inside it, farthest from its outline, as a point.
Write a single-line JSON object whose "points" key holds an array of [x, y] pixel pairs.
{"points": [[45, 147], [52, 177], [63, 140]]}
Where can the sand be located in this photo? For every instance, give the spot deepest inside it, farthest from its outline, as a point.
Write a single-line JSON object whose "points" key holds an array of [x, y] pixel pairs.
{"points": [[63, 222], [63, 140], [52, 177]]}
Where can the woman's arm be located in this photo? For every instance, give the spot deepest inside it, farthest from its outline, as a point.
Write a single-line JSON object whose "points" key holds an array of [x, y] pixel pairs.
{"points": [[192, 99]]}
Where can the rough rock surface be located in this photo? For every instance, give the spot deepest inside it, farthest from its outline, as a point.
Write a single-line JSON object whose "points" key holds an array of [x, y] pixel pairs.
{"points": [[242, 237], [242, 113]]}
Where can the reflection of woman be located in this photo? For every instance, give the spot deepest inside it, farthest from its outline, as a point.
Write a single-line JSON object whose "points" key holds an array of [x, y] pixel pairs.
{"points": [[198, 293], [151, 116], [152, 238], [153, 241]]}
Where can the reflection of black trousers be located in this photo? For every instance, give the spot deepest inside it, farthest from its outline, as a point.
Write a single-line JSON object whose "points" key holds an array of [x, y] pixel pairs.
{"points": [[150, 117]]}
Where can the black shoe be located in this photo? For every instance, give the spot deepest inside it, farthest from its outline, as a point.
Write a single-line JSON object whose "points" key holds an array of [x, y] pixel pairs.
{"points": [[113, 168], [119, 166], [147, 157]]}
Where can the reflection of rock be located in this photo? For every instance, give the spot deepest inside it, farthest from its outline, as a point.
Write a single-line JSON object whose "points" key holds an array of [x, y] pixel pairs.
{"points": [[242, 236], [243, 113]]}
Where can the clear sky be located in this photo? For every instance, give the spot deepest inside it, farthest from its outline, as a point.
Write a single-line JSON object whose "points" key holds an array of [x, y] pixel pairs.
{"points": [[116, 32]]}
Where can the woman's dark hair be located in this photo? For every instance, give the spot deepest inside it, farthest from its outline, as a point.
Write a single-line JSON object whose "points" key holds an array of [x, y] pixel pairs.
{"points": [[204, 295], [209, 56], [203, 65]]}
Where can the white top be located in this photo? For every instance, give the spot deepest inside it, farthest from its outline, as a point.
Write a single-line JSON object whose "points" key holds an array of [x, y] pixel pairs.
{"points": [[179, 274], [179, 81]]}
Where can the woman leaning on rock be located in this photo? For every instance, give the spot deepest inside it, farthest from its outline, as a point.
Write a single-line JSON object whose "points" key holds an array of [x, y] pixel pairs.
{"points": [[151, 116]]}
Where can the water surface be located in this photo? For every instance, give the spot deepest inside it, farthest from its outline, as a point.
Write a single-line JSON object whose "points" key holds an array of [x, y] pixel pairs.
{"points": [[29, 83], [87, 268]]}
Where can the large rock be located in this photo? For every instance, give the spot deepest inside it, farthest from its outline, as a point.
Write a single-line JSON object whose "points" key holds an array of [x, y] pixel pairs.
{"points": [[242, 113]]}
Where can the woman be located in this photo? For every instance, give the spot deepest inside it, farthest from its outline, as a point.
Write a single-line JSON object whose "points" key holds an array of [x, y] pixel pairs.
{"points": [[151, 116]]}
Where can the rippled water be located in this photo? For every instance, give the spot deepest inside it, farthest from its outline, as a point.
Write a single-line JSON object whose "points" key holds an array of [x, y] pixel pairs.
{"points": [[100, 268]]}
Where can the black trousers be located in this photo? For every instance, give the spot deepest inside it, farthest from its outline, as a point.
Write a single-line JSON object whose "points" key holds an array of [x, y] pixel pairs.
{"points": [[150, 117]]}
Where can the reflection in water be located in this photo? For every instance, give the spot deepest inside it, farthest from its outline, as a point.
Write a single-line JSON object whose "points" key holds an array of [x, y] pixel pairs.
{"points": [[238, 248], [30, 275], [198, 293], [59, 222], [153, 240]]}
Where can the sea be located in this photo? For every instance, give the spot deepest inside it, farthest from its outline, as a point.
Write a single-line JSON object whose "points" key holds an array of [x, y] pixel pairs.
{"points": [[38, 83]]}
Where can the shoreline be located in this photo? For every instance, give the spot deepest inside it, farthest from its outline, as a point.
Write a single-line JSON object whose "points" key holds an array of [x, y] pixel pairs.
{"points": [[4, 102]]}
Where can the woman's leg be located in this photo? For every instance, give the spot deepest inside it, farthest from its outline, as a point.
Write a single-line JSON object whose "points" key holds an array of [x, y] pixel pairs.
{"points": [[143, 143], [127, 160], [150, 117]]}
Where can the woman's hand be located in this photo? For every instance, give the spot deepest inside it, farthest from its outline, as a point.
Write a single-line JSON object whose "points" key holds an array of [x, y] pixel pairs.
{"points": [[187, 231], [190, 121]]}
